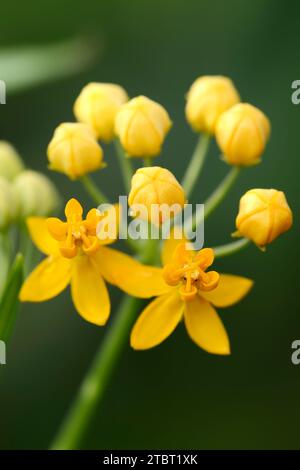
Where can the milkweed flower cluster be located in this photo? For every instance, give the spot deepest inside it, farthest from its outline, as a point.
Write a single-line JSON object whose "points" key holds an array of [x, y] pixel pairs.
{"points": [[182, 285], [184, 288]]}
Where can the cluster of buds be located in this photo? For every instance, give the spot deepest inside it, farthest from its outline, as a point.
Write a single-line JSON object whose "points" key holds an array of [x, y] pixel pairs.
{"points": [[23, 192], [104, 112], [241, 130], [213, 107]]}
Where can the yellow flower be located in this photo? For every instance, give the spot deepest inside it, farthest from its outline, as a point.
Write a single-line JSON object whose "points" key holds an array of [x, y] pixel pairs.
{"points": [[97, 106], [185, 290], [156, 186], [10, 161], [208, 97], [74, 150], [75, 256], [264, 214], [242, 133], [142, 125]]}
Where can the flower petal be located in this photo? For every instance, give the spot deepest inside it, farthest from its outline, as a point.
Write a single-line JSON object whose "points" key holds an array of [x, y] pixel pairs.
{"points": [[170, 245], [157, 321], [205, 258], [47, 280], [73, 210], [205, 326], [57, 229], [89, 292], [230, 290], [129, 275], [40, 236]]}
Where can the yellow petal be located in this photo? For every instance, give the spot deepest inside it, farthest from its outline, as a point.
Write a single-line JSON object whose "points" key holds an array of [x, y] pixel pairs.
{"points": [[205, 326], [89, 292], [129, 275], [205, 257], [47, 280], [40, 236], [57, 229], [170, 245], [73, 210], [230, 290], [157, 321]]}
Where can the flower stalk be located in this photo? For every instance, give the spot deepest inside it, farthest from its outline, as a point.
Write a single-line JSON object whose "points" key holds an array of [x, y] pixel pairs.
{"points": [[231, 248], [92, 189], [97, 379], [196, 164], [94, 385], [217, 196], [125, 165]]}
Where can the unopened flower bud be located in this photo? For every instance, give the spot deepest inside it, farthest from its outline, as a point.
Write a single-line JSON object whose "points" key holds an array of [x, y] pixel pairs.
{"points": [[264, 214], [155, 189], [10, 161], [207, 99], [36, 193], [142, 125], [242, 133], [97, 106], [74, 150], [8, 203]]}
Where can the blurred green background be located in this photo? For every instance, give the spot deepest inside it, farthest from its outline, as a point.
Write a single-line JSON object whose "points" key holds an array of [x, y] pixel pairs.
{"points": [[175, 396]]}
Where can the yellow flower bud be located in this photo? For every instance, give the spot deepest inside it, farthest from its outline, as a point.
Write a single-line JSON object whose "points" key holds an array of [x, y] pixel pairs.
{"points": [[10, 161], [74, 150], [207, 99], [264, 214], [8, 203], [141, 125], [156, 186], [97, 106], [242, 133], [36, 193]]}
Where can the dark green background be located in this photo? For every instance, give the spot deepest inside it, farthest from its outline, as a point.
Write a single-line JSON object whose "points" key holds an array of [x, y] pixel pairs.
{"points": [[175, 396]]}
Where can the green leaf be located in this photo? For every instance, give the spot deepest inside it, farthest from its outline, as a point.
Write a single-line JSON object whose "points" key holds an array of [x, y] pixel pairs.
{"points": [[25, 67], [9, 302], [5, 259]]}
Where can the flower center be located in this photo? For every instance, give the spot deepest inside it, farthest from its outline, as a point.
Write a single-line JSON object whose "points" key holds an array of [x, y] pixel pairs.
{"points": [[188, 272], [75, 235]]}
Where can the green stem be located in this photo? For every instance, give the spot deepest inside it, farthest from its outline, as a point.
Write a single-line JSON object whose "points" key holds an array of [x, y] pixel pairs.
{"points": [[97, 379], [93, 190], [196, 163], [125, 164], [231, 248], [148, 161], [9, 302], [5, 257], [217, 196], [221, 191]]}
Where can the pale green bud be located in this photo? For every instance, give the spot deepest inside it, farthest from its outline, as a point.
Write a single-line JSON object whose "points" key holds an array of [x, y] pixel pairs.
{"points": [[10, 161], [36, 193], [8, 203]]}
